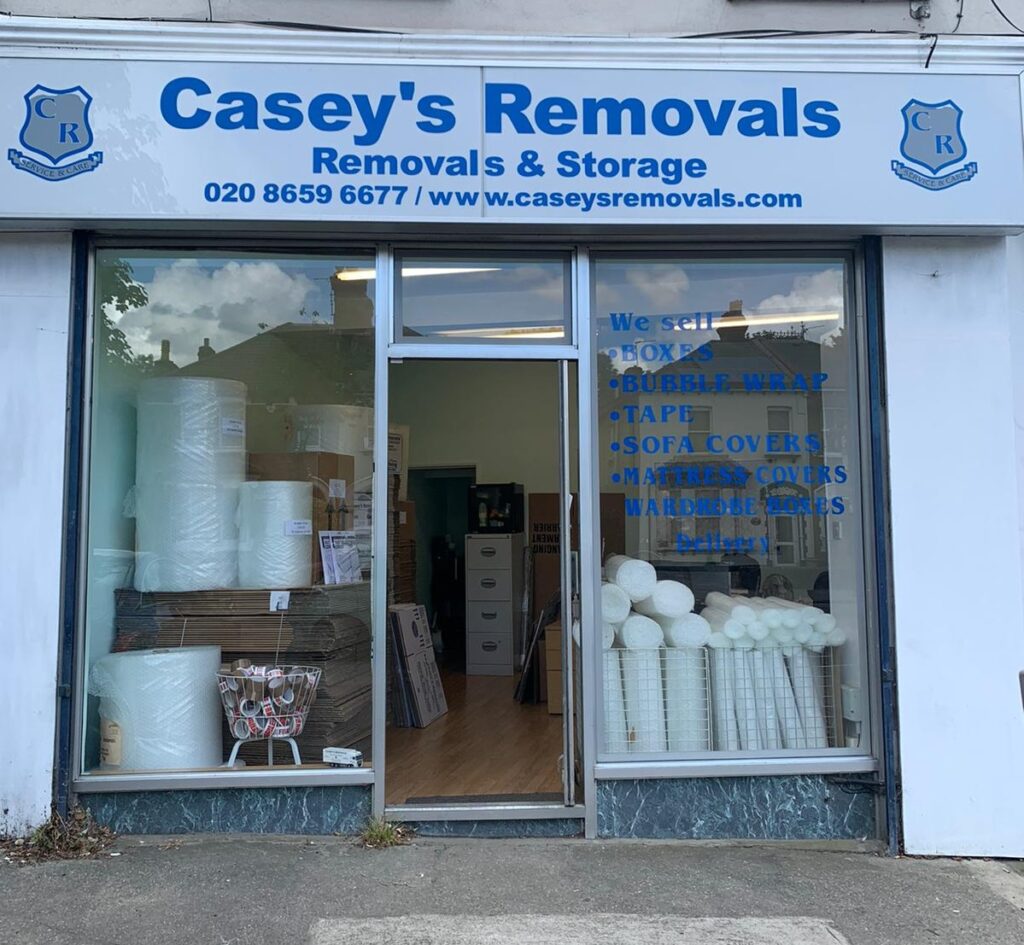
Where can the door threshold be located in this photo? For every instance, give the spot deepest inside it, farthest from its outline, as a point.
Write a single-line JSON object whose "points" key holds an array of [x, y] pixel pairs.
{"points": [[498, 811]]}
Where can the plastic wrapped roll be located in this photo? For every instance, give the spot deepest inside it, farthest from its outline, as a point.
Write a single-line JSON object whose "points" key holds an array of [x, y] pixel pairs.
{"points": [[190, 462], [686, 698], [614, 603], [274, 528], [807, 695], [641, 683], [688, 630], [764, 699], [637, 578], [746, 697], [615, 736], [159, 709], [723, 693], [670, 599], [336, 428]]}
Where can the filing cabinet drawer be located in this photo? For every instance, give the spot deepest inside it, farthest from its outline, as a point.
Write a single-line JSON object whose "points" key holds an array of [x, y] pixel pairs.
{"points": [[489, 649], [492, 552], [488, 585], [489, 616]]}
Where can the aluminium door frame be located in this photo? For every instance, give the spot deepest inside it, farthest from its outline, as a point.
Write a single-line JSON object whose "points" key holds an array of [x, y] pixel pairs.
{"points": [[389, 349]]}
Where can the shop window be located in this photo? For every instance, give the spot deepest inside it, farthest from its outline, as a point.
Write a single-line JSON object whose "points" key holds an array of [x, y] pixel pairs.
{"points": [[497, 299], [700, 427], [227, 618], [736, 596]]}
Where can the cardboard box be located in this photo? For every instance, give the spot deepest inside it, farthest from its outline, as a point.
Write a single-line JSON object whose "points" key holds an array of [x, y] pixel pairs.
{"points": [[553, 666], [554, 692], [406, 521], [332, 476], [544, 522], [544, 537], [553, 647], [413, 628], [428, 694]]}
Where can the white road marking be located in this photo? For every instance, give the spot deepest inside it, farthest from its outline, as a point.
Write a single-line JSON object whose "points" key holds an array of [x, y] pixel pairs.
{"points": [[573, 930]]}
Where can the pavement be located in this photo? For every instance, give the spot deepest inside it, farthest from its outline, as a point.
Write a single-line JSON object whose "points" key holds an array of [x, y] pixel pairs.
{"points": [[244, 890]]}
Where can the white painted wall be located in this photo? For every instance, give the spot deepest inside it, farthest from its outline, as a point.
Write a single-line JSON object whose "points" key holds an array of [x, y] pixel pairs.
{"points": [[35, 274], [520, 17], [959, 616]]}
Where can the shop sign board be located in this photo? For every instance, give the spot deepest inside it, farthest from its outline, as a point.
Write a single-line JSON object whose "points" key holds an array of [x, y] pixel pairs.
{"points": [[147, 140]]}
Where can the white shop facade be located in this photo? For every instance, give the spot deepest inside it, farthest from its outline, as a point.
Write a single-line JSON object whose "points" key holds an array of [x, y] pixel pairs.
{"points": [[323, 326]]}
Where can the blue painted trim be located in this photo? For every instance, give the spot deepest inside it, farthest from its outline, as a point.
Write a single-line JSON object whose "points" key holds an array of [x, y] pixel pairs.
{"points": [[881, 545], [80, 250]]}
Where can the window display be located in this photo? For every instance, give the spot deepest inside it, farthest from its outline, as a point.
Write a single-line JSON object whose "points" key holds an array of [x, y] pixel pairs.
{"points": [[728, 416], [231, 431]]}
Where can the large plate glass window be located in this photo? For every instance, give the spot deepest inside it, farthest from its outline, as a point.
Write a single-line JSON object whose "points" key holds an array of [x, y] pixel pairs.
{"points": [[498, 299], [227, 618], [733, 602]]}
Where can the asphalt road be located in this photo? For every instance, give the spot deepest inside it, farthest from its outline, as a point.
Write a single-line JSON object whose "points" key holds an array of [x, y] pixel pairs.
{"points": [[232, 890]]}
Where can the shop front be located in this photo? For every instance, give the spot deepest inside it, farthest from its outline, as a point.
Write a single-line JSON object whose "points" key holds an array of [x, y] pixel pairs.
{"points": [[495, 444]]}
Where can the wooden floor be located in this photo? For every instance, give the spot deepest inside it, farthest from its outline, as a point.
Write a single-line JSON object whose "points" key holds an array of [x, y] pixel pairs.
{"points": [[487, 744]]}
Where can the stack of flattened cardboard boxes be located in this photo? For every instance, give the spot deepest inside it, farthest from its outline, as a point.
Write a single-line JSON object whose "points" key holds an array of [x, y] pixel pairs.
{"points": [[326, 627], [418, 697], [403, 555]]}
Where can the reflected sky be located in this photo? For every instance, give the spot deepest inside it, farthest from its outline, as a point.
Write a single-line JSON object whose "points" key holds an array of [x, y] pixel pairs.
{"points": [[763, 289], [227, 299]]}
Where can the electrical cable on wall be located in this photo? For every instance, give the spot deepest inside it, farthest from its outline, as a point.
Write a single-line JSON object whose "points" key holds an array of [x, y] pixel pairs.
{"points": [[999, 10]]}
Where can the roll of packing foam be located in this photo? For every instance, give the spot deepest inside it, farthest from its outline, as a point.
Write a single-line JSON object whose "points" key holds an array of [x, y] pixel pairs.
{"points": [[688, 630], [686, 699], [644, 698], [742, 612], [607, 635], [807, 696], [615, 735], [746, 699], [336, 428], [190, 462], [640, 633], [670, 599], [785, 702], [160, 709], [274, 528], [764, 699], [614, 603], [723, 693], [637, 578]]}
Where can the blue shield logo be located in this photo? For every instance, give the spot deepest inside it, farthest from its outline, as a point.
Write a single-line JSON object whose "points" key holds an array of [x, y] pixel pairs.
{"points": [[931, 134], [56, 122]]}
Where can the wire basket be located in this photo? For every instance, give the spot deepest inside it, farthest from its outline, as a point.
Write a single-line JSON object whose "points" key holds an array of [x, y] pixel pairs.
{"points": [[681, 701], [263, 702]]}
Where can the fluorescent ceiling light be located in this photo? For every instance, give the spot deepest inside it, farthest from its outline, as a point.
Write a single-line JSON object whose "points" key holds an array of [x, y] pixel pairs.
{"points": [[539, 331], [364, 275], [783, 319]]}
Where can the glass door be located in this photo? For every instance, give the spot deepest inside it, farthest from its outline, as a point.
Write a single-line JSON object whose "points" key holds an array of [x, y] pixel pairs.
{"points": [[483, 538]]}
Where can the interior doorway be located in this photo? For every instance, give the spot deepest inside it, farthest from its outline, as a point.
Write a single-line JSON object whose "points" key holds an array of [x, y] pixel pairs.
{"points": [[489, 471]]}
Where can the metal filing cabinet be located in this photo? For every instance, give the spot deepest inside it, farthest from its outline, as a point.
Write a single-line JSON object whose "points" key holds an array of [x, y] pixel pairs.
{"points": [[494, 593]]}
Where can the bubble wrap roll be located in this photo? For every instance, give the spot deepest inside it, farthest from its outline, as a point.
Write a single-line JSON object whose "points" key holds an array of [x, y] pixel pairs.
{"points": [[160, 709], [190, 462], [274, 529]]}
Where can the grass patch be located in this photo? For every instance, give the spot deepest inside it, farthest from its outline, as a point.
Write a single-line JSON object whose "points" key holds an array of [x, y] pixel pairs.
{"points": [[381, 833], [75, 837]]}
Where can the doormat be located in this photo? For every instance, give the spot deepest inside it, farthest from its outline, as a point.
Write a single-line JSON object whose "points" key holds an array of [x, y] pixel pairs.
{"points": [[487, 799]]}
